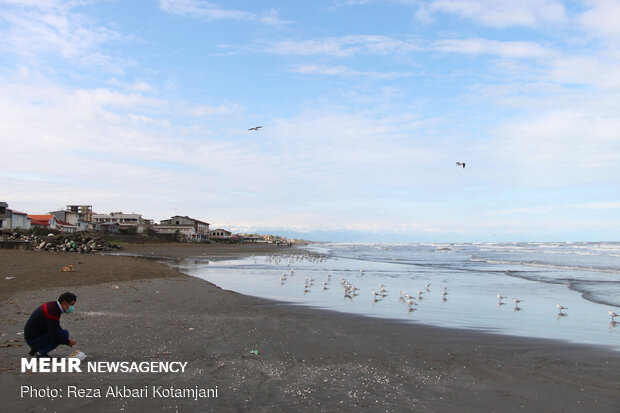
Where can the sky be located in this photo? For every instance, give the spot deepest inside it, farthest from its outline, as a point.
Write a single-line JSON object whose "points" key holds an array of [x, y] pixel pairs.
{"points": [[144, 106]]}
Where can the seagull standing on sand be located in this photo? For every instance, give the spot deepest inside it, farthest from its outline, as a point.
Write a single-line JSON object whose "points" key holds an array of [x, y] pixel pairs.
{"points": [[517, 301], [560, 308], [612, 315]]}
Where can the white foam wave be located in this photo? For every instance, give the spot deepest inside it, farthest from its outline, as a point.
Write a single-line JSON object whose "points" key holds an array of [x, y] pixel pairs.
{"points": [[546, 265]]}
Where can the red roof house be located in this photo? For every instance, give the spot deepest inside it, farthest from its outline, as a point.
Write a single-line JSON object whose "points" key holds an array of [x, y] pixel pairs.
{"points": [[47, 221]]}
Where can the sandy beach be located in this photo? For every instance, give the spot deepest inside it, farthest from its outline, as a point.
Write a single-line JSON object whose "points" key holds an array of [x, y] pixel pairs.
{"points": [[136, 309]]}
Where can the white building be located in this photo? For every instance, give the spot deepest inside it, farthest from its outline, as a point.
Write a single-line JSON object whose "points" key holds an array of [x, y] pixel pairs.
{"points": [[188, 231], [219, 234], [11, 219], [193, 229], [200, 227], [20, 220], [67, 227], [72, 218], [124, 221]]}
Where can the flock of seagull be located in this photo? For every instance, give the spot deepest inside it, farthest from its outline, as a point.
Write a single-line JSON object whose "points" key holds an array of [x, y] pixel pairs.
{"points": [[410, 300], [350, 291]]}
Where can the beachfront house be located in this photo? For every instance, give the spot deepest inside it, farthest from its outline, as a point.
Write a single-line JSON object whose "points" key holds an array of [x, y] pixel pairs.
{"points": [[11, 219], [124, 221], [44, 221], [220, 234], [79, 216], [19, 220], [109, 227], [189, 228], [3, 207], [66, 227], [70, 219]]}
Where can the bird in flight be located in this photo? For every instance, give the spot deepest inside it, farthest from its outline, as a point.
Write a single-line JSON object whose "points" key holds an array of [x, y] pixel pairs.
{"points": [[460, 164], [255, 128]]}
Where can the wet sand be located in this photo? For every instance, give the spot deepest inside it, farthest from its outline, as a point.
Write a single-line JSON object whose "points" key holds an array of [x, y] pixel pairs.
{"points": [[308, 360]]}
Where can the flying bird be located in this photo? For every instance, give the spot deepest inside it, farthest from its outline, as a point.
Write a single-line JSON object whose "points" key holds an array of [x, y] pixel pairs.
{"points": [[460, 164], [258, 127]]}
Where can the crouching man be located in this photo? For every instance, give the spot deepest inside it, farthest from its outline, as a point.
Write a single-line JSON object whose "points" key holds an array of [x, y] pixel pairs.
{"points": [[43, 332]]}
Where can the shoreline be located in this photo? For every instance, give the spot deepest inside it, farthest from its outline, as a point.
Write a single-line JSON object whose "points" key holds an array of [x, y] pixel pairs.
{"points": [[324, 361], [418, 324]]}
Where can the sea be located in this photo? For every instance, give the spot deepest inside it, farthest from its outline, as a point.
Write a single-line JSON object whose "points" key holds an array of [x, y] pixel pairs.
{"points": [[454, 285]]}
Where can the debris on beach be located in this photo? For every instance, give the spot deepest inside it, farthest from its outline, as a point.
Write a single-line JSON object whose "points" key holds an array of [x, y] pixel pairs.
{"points": [[80, 243], [78, 355], [9, 278], [12, 343]]}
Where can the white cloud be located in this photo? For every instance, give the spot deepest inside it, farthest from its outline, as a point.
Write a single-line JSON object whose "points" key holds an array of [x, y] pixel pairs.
{"points": [[211, 110], [138, 85], [498, 13], [210, 11], [344, 46], [548, 64], [602, 18], [600, 205], [507, 49], [272, 18], [202, 9], [562, 146], [545, 209], [40, 28], [600, 71], [340, 70]]}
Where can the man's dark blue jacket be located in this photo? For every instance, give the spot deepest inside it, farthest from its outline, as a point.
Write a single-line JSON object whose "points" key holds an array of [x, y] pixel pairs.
{"points": [[45, 319]]}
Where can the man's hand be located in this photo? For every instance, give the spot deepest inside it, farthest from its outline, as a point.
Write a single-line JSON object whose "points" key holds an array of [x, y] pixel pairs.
{"points": [[71, 343]]}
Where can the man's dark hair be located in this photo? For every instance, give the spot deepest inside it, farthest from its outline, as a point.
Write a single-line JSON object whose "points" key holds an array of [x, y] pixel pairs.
{"points": [[67, 297]]}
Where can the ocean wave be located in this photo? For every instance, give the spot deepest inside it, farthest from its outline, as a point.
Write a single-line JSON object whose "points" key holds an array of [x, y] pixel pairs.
{"points": [[584, 253], [598, 291], [547, 265]]}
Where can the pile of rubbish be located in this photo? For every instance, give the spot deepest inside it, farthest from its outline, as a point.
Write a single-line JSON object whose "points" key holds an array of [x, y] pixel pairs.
{"points": [[81, 243]]}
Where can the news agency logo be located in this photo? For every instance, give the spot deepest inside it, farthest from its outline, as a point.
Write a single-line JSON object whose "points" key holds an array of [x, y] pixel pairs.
{"points": [[51, 365], [72, 365]]}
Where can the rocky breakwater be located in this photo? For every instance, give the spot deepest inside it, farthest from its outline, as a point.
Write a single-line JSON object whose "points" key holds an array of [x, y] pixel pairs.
{"points": [[80, 243]]}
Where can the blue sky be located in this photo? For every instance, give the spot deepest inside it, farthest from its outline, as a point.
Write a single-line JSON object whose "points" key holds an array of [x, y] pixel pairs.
{"points": [[366, 105]]}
